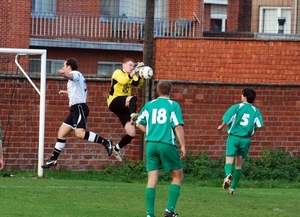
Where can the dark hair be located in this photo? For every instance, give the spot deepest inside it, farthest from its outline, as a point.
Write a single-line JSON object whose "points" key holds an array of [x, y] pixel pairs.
{"points": [[72, 63], [250, 94], [164, 88]]}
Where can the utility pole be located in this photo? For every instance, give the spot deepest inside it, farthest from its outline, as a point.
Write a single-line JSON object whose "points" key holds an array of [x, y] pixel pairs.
{"points": [[148, 45], [147, 58]]}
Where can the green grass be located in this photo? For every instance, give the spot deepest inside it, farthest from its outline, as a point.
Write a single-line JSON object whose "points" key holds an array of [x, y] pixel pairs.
{"points": [[31, 196]]}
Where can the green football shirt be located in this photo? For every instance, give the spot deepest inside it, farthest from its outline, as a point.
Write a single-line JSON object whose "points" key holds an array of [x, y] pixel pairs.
{"points": [[161, 116], [242, 119]]}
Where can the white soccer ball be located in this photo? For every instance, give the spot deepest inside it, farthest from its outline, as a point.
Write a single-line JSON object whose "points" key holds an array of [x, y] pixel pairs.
{"points": [[146, 72]]}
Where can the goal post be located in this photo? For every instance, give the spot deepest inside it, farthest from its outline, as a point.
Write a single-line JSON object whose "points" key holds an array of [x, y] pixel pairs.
{"points": [[41, 92]]}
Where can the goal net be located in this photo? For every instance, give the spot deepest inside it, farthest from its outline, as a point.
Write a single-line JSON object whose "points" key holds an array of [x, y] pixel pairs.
{"points": [[6, 59]]}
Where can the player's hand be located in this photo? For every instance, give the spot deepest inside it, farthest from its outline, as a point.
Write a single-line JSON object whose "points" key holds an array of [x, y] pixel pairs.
{"points": [[138, 67], [61, 72], [140, 64], [63, 92], [182, 152]]}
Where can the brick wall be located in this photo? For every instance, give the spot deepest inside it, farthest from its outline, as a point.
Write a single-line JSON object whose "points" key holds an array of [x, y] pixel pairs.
{"points": [[19, 114], [208, 76], [231, 61], [13, 20]]}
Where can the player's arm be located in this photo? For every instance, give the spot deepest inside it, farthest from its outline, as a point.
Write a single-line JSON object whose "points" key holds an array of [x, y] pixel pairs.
{"points": [[221, 126], [63, 92], [138, 82], [180, 136], [67, 75], [141, 127]]}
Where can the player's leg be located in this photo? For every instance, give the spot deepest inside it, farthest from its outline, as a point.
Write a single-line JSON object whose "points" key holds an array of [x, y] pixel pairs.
{"points": [[130, 134], [244, 146], [237, 174], [170, 157], [153, 164], [131, 104], [230, 154], [60, 144], [93, 137], [150, 193], [119, 107], [80, 117], [129, 129], [174, 192], [125, 140]]}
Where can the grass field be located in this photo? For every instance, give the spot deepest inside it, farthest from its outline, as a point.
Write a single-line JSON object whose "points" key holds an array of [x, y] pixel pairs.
{"points": [[56, 197]]}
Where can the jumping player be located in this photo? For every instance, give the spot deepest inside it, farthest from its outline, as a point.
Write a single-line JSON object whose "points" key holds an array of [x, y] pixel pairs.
{"points": [[121, 103], [242, 120], [79, 111]]}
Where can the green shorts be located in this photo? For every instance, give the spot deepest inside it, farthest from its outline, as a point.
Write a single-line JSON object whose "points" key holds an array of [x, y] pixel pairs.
{"points": [[161, 155], [237, 146]]}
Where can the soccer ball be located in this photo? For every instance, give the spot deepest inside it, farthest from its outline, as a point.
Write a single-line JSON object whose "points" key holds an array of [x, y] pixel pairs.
{"points": [[146, 72]]}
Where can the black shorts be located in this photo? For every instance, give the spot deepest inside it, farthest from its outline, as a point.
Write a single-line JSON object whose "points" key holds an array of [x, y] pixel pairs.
{"points": [[118, 107], [78, 115]]}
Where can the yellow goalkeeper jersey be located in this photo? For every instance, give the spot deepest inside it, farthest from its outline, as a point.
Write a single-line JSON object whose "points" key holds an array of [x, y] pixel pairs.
{"points": [[122, 84]]}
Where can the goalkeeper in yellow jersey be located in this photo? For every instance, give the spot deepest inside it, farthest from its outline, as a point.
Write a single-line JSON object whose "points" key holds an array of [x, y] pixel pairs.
{"points": [[122, 103]]}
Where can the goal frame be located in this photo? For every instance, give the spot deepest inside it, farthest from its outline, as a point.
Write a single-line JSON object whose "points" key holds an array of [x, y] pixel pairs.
{"points": [[41, 92]]}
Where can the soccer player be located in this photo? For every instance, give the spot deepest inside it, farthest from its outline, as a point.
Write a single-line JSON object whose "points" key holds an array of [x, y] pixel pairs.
{"points": [[242, 120], [121, 103], [79, 111], [161, 120]]}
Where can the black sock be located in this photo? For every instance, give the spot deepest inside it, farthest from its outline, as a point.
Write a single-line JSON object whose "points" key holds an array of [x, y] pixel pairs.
{"points": [[59, 146], [93, 137], [125, 140]]}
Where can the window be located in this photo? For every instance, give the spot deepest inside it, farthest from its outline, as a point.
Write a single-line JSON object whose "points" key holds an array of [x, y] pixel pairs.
{"points": [[218, 16], [216, 25], [43, 8], [107, 68], [268, 19], [220, 2], [131, 8], [52, 65]]}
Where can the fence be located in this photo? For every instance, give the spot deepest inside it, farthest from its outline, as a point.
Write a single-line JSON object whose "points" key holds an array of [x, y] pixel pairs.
{"points": [[95, 28]]}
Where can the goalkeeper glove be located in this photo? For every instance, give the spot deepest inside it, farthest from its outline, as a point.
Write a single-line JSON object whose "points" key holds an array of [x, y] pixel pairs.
{"points": [[138, 67]]}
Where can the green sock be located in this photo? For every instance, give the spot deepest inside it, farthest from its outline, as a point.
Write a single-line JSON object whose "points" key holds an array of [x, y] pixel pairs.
{"points": [[150, 200], [174, 192], [228, 169], [236, 178]]}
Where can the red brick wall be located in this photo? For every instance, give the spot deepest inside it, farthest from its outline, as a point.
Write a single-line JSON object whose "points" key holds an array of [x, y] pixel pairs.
{"points": [[86, 7], [206, 20], [19, 114], [233, 61], [13, 20], [208, 76], [232, 15]]}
